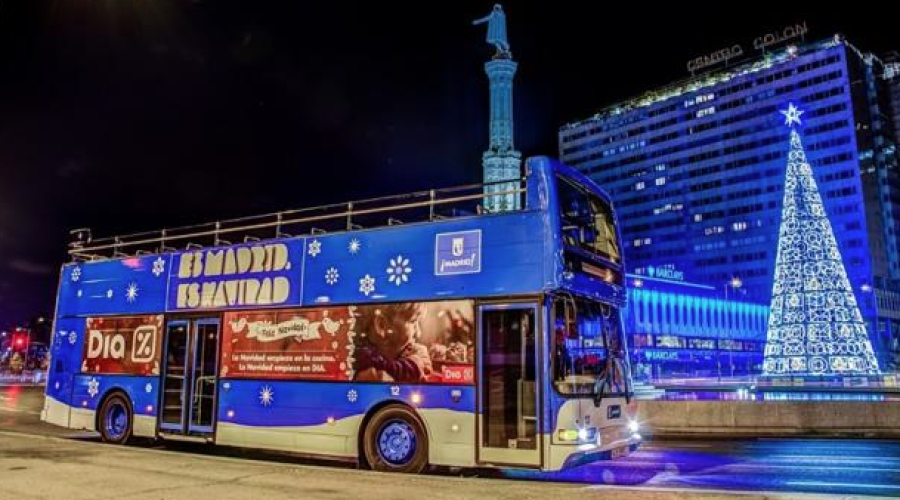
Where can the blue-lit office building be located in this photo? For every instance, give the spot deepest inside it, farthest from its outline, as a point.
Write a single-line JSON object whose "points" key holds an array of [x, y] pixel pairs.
{"points": [[696, 170], [683, 330]]}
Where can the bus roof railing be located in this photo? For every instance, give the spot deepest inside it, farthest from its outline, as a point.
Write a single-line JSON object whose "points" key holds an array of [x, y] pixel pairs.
{"points": [[419, 206]]}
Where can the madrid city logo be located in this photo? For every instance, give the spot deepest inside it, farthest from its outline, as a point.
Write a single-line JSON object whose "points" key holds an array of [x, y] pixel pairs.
{"points": [[457, 253]]}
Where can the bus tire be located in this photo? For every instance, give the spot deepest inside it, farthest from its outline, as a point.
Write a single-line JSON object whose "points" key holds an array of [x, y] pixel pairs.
{"points": [[115, 420], [395, 441]]}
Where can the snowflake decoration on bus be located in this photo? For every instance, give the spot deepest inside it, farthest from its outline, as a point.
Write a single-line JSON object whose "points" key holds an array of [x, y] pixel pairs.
{"points": [[93, 387], [76, 274], [109, 293], [131, 292], [266, 395], [331, 276], [159, 267], [352, 396], [315, 248], [73, 337], [354, 246], [367, 285], [399, 270]]}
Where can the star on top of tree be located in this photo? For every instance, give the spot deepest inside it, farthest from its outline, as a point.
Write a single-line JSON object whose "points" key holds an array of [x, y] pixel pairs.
{"points": [[791, 115]]}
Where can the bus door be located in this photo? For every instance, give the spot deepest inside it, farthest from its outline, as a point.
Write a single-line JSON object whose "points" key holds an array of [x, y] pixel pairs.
{"points": [[508, 430], [189, 377]]}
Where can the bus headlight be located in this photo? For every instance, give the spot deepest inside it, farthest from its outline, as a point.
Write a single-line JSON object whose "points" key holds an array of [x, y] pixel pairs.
{"points": [[582, 435]]}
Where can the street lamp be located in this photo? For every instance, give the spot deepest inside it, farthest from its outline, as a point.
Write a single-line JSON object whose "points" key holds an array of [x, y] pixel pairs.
{"points": [[734, 283], [867, 289], [637, 283]]}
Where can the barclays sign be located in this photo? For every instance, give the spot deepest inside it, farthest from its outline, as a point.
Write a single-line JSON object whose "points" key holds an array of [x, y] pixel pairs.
{"points": [[667, 272]]}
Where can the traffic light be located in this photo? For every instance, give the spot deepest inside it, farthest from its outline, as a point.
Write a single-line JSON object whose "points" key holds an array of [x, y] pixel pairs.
{"points": [[20, 342]]}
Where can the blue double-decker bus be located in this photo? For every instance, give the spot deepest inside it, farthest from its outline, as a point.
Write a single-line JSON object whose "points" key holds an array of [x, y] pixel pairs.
{"points": [[398, 332]]}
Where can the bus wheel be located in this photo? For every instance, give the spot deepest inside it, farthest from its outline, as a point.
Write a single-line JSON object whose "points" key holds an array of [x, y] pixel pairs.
{"points": [[395, 441], [115, 420]]}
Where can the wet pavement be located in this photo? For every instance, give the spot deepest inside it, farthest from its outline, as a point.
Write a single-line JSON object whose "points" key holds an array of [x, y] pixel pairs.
{"points": [[20, 410], [35, 463], [36, 467]]}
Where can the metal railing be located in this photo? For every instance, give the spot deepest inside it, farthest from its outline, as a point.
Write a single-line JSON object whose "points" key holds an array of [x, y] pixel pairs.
{"points": [[420, 206]]}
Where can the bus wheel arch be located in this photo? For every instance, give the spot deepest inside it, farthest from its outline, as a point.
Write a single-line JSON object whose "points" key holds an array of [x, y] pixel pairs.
{"points": [[115, 417], [393, 437]]}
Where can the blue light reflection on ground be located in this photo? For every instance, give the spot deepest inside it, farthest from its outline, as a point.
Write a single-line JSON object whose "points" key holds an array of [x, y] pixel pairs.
{"points": [[774, 396], [646, 468], [846, 466]]}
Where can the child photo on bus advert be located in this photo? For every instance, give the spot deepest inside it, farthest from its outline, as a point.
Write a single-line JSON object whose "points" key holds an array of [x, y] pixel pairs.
{"points": [[387, 348]]}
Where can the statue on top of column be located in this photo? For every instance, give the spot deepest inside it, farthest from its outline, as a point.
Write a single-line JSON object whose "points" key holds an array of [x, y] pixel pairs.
{"points": [[496, 34]]}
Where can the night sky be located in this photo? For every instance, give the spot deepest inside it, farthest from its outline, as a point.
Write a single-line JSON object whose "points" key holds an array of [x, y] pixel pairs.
{"points": [[126, 116]]}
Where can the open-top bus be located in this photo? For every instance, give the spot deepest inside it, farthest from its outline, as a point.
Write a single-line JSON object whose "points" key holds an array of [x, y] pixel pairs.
{"points": [[399, 332]]}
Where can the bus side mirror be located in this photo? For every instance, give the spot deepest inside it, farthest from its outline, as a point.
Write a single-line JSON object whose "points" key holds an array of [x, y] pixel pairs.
{"points": [[598, 390]]}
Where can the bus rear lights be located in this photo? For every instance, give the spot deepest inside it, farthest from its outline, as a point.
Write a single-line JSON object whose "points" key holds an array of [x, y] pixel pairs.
{"points": [[149, 409], [230, 414], [84, 403], [416, 398]]}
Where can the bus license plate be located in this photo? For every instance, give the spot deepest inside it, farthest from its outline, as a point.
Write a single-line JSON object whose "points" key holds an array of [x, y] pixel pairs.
{"points": [[619, 452]]}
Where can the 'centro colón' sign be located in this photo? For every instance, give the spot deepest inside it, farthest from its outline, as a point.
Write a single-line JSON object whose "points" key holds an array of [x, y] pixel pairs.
{"points": [[759, 43]]}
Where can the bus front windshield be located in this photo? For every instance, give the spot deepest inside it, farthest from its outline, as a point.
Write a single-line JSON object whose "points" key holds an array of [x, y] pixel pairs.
{"points": [[587, 221], [589, 349]]}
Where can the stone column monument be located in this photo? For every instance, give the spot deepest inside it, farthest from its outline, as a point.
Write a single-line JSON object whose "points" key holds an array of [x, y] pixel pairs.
{"points": [[501, 161]]}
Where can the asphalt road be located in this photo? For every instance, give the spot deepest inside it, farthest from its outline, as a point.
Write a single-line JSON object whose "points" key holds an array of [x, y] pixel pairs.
{"points": [[41, 461]]}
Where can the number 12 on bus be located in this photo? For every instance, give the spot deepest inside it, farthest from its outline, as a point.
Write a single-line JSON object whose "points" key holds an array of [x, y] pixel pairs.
{"points": [[453, 336]]}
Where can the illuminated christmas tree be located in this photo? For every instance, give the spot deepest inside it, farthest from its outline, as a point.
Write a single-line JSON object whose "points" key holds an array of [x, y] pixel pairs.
{"points": [[815, 327]]}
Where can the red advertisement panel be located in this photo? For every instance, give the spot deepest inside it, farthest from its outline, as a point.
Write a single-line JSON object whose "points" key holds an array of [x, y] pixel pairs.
{"points": [[412, 342], [129, 345], [293, 343]]}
